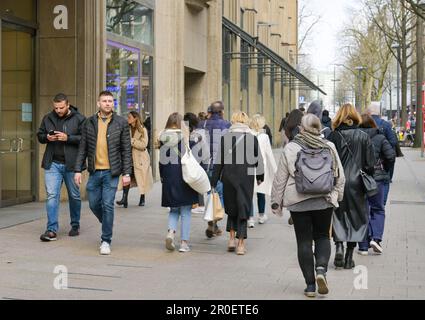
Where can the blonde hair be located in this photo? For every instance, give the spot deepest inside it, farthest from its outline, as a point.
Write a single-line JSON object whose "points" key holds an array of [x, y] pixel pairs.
{"points": [[311, 123], [257, 122], [240, 117], [348, 115]]}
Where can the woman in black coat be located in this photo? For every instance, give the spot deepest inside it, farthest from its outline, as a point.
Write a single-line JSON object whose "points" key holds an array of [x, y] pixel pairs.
{"points": [[239, 159], [176, 194], [350, 221], [385, 156]]}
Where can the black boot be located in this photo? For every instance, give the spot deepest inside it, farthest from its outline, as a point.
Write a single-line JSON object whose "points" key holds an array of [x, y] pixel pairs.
{"points": [[142, 200], [339, 255], [349, 262], [124, 200]]}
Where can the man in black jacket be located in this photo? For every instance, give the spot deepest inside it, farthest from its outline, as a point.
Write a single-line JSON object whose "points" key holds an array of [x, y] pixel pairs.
{"points": [[106, 143], [61, 131]]}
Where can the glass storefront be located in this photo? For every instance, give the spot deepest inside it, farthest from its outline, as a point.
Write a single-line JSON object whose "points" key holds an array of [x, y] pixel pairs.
{"points": [[129, 55], [16, 115], [130, 19]]}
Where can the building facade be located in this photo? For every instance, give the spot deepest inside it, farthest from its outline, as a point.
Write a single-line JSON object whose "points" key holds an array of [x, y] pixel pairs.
{"points": [[156, 56]]}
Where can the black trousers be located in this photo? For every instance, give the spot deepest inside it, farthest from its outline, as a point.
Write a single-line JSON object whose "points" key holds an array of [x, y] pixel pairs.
{"points": [[309, 226], [239, 225]]}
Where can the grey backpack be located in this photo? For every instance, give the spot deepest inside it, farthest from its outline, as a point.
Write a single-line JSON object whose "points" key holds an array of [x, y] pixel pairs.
{"points": [[313, 171]]}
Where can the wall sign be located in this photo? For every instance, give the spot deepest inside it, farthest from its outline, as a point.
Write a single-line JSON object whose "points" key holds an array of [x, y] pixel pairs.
{"points": [[61, 20]]}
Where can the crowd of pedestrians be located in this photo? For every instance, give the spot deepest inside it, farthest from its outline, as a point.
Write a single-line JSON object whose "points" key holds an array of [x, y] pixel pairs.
{"points": [[333, 175]]}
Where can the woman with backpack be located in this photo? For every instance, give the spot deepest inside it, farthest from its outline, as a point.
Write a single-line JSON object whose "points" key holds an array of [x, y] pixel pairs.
{"points": [[311, 212], [176, 193], [385, 155], [350, 221], [239, 163]]}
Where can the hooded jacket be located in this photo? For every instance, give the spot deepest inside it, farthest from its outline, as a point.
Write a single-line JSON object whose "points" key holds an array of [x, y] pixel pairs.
{"points": [[384, 154], [175, 191], [72, 126], [316, 109]]}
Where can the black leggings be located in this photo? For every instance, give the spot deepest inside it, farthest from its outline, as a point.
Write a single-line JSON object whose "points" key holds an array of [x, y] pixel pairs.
{"points": [[309, 226]]}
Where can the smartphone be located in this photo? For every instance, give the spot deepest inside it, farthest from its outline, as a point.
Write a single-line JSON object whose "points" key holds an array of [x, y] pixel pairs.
{"points": [[51, 133]]}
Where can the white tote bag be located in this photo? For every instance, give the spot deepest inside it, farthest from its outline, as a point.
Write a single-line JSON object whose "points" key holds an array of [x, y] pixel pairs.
{"points": [[193, 174]]}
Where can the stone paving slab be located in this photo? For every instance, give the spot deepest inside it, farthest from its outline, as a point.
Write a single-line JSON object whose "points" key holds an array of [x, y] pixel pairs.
{"points": [[141, 268]]}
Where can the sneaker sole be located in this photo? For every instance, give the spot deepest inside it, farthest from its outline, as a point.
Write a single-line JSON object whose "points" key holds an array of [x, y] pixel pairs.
{"points": [[105, 253], [322, 285], [169, 244], [310, 294], [363, 253], [376, 249], [48, 240]]}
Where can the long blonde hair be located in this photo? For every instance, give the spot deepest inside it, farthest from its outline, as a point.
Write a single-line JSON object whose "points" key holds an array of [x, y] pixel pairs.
{"points": [[348, 115], [257, 122]]}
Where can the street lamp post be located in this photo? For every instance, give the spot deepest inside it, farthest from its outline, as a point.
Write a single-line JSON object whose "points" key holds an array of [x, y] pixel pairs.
{"points": [[419, 134], [335, 80], [360, 93], [397, 47]]}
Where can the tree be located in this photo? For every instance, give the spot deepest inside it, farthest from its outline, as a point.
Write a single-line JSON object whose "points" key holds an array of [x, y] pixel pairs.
{"points": [[397, 23], [307, 21]]}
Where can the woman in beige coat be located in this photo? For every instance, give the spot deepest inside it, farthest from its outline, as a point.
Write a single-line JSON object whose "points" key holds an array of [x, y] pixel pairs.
{"points": [[142, 171]]}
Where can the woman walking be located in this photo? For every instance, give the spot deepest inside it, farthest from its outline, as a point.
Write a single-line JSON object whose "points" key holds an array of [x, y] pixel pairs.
{"points": [[312, 214], [176, 194], [350, 222], [270, 167], [385, 155], [239, 160], [142, 171]]}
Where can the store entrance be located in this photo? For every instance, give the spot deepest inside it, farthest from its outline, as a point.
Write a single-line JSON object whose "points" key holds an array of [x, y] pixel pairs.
{"points": [[17, 156]]}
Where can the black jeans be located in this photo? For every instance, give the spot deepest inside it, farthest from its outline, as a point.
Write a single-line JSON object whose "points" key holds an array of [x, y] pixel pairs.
{"points": [[309, 226]]}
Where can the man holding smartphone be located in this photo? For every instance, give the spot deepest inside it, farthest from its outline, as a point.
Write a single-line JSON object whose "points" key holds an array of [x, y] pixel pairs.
{"points": [[61, 131], [106, 143]]}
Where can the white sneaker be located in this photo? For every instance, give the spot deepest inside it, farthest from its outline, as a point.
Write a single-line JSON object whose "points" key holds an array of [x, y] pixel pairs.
{"points": [[169, 241], [376, 247], [262, 219], [363, 252], [251, 223], [198, 210], [105, 249], [184, 247]]}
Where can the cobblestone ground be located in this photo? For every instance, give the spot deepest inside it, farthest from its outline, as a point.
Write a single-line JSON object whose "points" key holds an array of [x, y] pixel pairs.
{"points": [[141, 268]]}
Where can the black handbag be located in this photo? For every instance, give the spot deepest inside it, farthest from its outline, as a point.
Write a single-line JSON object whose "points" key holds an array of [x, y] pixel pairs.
{"points": [[369, 184]]}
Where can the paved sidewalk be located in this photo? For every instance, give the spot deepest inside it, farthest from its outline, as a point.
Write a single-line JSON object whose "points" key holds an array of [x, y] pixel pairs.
{"points": [[141, 268]]}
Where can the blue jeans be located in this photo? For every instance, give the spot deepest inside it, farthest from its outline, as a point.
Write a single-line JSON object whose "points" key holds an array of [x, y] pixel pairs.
{"points": [[387, 184], [101, 189], [53, 179], [173, 220], [261, 203], [376, 217]]}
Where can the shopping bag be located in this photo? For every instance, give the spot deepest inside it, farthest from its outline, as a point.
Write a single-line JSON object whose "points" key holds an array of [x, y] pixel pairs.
{"points": [[208, 214], [218, 211]]}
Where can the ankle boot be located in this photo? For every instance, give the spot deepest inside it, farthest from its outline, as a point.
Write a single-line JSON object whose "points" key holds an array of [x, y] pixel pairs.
{"points": [[142, 200], [124, 200], [349, 262], [339, 255]]}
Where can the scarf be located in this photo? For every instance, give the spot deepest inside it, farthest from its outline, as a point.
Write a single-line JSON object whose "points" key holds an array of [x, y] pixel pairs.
{"points": [[312, 141]]}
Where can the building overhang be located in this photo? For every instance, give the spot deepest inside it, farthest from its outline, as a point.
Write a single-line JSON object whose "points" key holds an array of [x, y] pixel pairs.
{"points": [[287, 72]]}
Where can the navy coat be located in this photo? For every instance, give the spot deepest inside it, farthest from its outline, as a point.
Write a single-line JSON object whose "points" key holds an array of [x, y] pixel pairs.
{"points": [[175, 192]]}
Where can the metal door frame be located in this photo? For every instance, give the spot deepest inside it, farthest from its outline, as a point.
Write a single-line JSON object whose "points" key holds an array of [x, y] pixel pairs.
{"points": [[19, 25]]}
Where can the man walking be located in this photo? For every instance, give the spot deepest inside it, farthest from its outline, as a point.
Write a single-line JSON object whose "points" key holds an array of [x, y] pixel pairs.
{"points": [[375, 111], [61, 131], [106, 142], [215, 127]]}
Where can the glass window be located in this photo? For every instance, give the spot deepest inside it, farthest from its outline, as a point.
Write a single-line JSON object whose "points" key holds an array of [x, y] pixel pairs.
{"points": [[122, 76], [130, 19], [24, 9]]}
